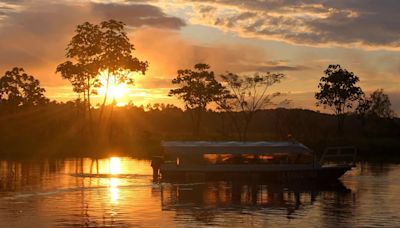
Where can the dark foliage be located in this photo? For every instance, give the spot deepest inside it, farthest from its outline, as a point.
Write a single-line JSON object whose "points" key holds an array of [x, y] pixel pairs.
{"points": [[20, 90], [197, 89], [248, 94], [58, 130], [338, 91]]}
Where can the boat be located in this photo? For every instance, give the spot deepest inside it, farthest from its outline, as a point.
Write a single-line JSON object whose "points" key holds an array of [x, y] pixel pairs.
{"points": [[262, 160]]}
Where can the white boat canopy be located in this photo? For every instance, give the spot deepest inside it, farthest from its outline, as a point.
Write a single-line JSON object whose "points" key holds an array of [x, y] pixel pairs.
{"points": [[233, 147]]}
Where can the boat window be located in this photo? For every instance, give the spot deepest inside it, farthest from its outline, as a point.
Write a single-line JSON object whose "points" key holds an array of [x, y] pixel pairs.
{"points": [[217, 158], [239, 158], [277, 158]]}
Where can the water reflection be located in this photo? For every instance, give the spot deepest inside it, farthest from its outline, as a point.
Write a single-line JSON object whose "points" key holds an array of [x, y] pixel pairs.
{"points": [[114, 191], [120, 192], [206, 201]]}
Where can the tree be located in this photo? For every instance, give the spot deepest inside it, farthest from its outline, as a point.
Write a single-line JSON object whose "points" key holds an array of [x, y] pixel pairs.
{"points": [[197, 89], [362, 110], [248, 94], [338, 90], [20, 90], [84, 50], [96, 49], [116, 58], [381, 105], [377, 105]]}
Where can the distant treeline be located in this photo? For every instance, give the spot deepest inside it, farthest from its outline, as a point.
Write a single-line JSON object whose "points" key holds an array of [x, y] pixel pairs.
{"points": [[100, 56], [61, 130]]}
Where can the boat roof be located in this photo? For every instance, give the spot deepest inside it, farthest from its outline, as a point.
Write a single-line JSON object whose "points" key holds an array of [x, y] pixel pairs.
{"points": [[233, 147]]}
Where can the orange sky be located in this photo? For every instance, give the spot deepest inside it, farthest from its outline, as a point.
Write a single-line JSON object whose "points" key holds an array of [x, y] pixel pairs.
{"points": [[297, 39]]}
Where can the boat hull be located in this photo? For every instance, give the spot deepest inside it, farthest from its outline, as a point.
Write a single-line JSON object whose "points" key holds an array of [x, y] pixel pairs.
{"points": [[282, 175]]}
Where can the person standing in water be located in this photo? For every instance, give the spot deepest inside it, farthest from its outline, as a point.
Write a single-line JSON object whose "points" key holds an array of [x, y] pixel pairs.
{"points": [[156, 163]]}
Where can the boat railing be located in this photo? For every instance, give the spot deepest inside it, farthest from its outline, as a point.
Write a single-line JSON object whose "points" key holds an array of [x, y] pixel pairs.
{"points": [[339, 155]]}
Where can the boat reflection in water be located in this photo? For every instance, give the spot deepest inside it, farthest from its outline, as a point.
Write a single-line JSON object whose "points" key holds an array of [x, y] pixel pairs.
{"points": [[205, 201]]}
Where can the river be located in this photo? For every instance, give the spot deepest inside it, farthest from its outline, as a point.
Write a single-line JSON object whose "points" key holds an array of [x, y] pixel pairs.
{"points": [[69, 192]]}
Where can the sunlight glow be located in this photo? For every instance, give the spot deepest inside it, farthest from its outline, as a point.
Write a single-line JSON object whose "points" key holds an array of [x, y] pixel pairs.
{"points": [[115, 165], [115, 89], [121, 104]]}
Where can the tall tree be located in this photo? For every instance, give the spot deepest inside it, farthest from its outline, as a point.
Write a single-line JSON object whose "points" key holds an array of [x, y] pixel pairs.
{"points": [[116, 58], [82, 69], [381, 105], [96, 49], [377, 105], [197, 89], [338, 91], [362, 110], [20, 90], [248, 95]]}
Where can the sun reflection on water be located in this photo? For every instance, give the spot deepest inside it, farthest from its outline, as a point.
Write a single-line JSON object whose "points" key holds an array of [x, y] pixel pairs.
{"points": [[115, 168], [114, 190]]}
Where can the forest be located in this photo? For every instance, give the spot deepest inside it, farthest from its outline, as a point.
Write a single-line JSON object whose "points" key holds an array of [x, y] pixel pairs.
{"points": [[229, 106], [57, 130]]}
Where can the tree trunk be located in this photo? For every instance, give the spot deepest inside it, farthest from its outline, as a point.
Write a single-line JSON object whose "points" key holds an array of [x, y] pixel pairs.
{"points": [[223, 131], [105, 97], [237, 126], [340, 126], [198, 121], [110, 120], [89, 106], [247, 119], [246, 125]]}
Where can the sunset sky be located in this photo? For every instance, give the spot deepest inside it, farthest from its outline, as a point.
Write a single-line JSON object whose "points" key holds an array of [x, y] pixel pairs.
{"points": [[297, 38]]}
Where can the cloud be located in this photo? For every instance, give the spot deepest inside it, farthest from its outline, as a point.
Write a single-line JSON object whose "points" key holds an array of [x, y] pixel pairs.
{"points": [[34, 34], [137, 15], [366, 24], [173, 52]]}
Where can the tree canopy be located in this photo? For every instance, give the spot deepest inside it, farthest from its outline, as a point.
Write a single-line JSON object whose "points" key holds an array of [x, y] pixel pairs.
{"points": [[84, 51], [338, 90], [18, 89], [247, 95], [99, 48], [377, 105], [197, 88]]}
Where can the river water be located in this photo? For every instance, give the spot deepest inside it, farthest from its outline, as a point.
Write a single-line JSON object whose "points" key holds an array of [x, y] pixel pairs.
{"points": [[64, 193]]}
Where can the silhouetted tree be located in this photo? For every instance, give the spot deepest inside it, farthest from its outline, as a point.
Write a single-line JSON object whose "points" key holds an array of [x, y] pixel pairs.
{"points": [[377, 105], [161, 107], [18, 89], [248, 94], [97, 49], [84, 50], [197, 89], [381, 105], [116, 59], [362, 110], [338, 90]]}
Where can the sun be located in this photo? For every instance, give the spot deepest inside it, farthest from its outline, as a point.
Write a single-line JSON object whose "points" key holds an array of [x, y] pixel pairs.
{"points": [[115, 165], [115, 90]]}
